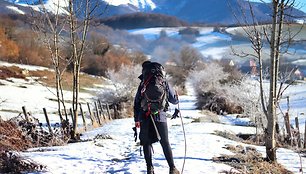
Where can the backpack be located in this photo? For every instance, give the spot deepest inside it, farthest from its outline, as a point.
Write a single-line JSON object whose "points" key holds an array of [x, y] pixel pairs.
{"points": [[153, 92]]}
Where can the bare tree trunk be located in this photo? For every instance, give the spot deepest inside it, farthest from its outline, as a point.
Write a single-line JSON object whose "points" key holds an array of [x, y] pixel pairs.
{"points": [[78, 41], [270, 133]]}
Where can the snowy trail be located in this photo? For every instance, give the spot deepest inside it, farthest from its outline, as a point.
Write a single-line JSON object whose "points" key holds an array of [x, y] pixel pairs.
{"points": [[121, 154]]}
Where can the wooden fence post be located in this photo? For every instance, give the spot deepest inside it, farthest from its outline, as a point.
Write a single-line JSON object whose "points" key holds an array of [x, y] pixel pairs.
{"points": [[108, 112], [25, 113], [101, 108], [116, 114], [72, 116], [90, 114], [288, 128], [66, 115], [60, 115], [305, 135], [298, 131], [83, 117], [97, 114], [47, 120]]}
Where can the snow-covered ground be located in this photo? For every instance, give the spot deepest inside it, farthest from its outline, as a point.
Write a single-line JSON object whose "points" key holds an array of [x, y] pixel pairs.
{"points": [[16, 93], [118, 153]]}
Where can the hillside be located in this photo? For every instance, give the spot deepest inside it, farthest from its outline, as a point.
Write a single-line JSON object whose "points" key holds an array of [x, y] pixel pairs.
{"points": [[11, 8], [142, 20]]}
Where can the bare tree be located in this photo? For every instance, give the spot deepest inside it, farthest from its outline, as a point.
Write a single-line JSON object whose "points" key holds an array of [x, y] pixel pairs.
{"points": [[51, 26], [80, 14], [74, 18], [184, 63], [277, 37]]}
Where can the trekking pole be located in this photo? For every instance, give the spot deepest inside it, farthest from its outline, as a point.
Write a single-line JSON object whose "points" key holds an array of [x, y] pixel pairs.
{"points": [[185, 153], [156, 130]]}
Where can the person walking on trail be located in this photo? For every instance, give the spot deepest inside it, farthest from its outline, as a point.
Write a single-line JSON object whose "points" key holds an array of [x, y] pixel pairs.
{"points": [[150, 105]]}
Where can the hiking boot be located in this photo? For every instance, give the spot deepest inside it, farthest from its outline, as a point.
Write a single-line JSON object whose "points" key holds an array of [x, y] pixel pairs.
{"points": [[173, 170], [150, 170]]}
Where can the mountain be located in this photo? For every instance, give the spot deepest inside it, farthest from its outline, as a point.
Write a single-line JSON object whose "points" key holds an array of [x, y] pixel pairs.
{"points": [[12, 8], [193, 11], [216, 11]]}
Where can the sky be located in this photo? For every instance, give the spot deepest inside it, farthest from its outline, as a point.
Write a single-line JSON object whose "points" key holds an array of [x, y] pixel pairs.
{"points": [[301, 4]]}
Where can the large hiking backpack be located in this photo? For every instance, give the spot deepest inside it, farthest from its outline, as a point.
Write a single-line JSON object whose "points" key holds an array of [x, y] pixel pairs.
{"points": [[153, 93]]}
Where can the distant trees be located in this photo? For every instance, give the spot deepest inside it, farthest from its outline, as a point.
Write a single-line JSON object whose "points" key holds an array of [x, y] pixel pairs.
{"points": [[142, 20]]}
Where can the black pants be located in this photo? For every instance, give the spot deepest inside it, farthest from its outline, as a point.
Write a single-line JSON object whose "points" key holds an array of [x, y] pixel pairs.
{"points": [[147, 146]]}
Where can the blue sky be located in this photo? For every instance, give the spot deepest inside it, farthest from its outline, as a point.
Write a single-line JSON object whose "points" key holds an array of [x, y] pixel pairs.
{"points": [[301, 4]]}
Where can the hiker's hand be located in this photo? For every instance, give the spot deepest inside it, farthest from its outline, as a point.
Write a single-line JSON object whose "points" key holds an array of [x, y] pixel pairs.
{"points": [[137, 124]]}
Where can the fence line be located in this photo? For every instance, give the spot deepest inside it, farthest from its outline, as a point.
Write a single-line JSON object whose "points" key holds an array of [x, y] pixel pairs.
{"points": [[97, 118]]}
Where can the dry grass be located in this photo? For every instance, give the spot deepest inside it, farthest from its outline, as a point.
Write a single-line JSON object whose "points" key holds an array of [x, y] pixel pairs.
{"points": [[11, 72], [248, 161], [13, 163], [48, 77], [12, 138]]}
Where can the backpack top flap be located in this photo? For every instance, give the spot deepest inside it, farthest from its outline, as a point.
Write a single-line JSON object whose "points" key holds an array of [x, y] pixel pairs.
{"points": [[153, 69]]}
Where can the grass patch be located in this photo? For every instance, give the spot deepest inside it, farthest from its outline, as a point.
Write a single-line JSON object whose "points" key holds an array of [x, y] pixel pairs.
{"points": [[48, 77], [248, 160], [209, 117]]}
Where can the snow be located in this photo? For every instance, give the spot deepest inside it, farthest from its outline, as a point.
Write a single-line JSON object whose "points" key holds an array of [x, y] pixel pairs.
{"points": [[154, 33], [23, 66], [209, 43], [118, 153], [16, 9], [215, 52], [142, 4], [29, 93]]}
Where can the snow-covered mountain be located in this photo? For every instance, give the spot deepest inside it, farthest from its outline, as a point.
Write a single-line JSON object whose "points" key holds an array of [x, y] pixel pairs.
{"points": [[193, 11], [140, 4], [143, 5]]}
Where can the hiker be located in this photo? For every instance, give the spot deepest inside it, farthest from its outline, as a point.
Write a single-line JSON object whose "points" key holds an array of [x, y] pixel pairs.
{"points": [[150, 116]]}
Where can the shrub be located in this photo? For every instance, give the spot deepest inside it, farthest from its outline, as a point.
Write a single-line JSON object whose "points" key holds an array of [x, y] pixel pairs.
{"points": [[9, 50], [111, 60], [212, 94], [124, 86], [99, 44], [189, 31], [32, 49]]}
